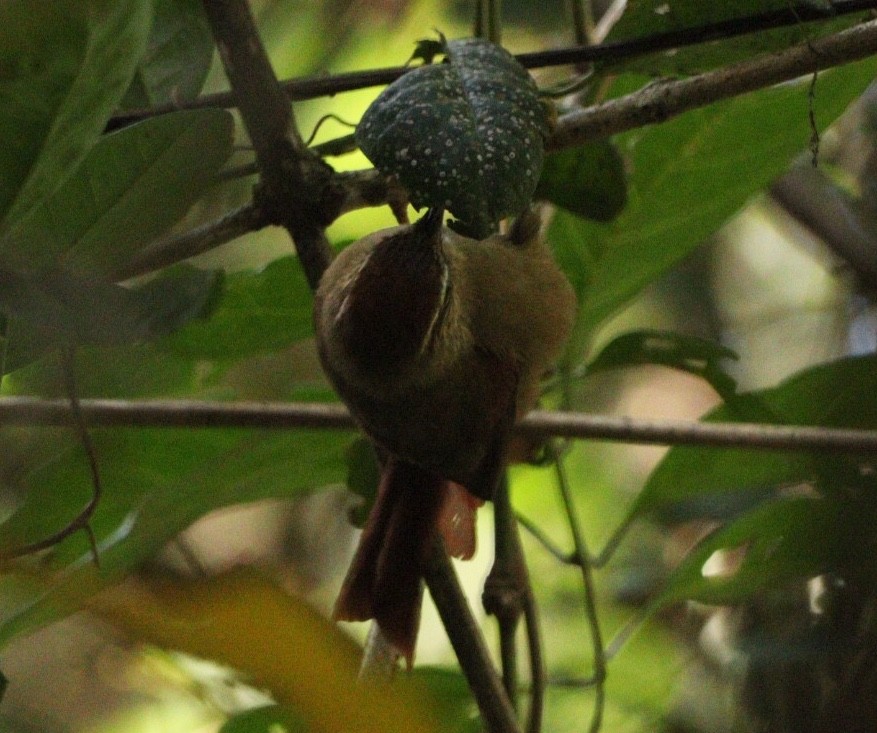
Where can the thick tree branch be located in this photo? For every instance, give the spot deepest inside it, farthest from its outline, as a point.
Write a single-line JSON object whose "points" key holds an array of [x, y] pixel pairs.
{"points": [[538, 424], [808, 195], [663, 100], [468, 644], [297, 189]]}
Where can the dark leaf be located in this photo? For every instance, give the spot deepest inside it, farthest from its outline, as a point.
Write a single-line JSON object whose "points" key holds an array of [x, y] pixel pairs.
{"points": [[647, 17], [132, 186], [259, 311], [363, 476], [588, 180], [55, 309], [466, 135], [690, 354], [838, 394], [70, 62], [779, 542], [178, 56]]}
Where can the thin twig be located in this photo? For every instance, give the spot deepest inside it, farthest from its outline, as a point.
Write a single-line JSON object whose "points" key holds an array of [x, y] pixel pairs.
{"points": [[329, 85], [297, 189], [580, 550], [539, 424], [538, 674], [547, 543], [178, 247], [468, 643], [582, 13], [503, 590], [81, 522], [512, 597]]}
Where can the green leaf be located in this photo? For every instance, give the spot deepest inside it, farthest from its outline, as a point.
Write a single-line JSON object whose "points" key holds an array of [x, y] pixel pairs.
{"points": [[588, 180], [688, 176], [838, 394], [178, 56], [647, 17], [259, 311], [40, 58], [156, 482], [449, 691], [690, 354], [57, 309], [84, 87], [133, 185], [265, 719], [466, 135], [363, 476], [780, 542]]}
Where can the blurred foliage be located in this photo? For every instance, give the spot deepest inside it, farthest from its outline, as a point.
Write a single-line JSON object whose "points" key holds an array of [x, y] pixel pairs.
{"points": [[77, 205]]}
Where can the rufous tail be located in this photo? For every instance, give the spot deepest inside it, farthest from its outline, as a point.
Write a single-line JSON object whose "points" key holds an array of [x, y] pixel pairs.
{"points": [[384, 581]]}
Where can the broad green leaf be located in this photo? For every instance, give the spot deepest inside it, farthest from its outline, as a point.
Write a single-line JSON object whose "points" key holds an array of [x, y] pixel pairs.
{"points": [[466, 135], [775, 544], [690, 354], [648, 17], [57, 309], [839, 394], [132, 186], [156, 482], [688, 176], [453, 698], [56, 136], [259, 311], [113, 372], [177, 58], [588, 180], [41, 57]]}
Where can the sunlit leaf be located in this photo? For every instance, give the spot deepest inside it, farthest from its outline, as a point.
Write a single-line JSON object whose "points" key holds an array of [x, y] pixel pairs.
{"points": [[248, 622]]}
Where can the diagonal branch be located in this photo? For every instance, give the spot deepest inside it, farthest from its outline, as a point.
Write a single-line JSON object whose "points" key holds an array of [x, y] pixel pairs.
{"points": [[297, 189], [662, 100]]}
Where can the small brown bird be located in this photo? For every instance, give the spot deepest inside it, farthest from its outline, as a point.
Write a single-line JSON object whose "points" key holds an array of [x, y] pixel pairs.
{"points": [[437, 344]]}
